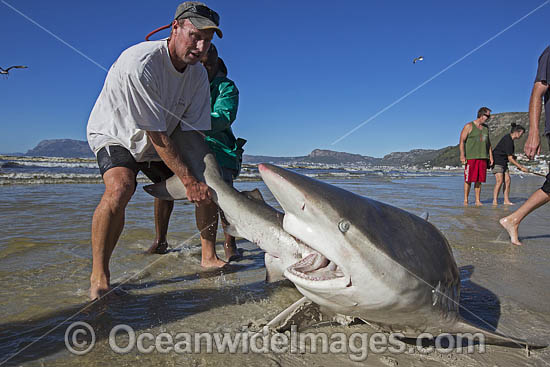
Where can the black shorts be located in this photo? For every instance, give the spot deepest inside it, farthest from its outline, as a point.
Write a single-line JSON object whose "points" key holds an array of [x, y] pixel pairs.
{"points": [[117, 156]]}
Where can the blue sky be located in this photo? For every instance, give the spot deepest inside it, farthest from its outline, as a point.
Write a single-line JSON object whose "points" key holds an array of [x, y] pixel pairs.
{"points": [[308, 71]]}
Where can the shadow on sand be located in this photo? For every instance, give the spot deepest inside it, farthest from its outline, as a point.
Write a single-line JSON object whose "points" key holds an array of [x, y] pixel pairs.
{"points": [[144, 311]]}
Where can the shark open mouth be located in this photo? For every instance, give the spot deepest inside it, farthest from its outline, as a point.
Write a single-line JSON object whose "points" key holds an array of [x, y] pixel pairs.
{"points": [[319, 271]]}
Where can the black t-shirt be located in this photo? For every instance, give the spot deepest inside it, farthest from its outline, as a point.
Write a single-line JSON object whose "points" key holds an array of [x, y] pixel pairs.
{"points": [[543, 75], [504, 148]]}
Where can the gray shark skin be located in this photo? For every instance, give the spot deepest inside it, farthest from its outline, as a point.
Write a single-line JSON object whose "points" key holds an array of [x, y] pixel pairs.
{"points": [[371, 260], [249, 215]]}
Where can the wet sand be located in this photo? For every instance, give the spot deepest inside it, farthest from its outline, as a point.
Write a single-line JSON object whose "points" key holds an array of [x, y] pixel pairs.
{"points": [[45, 264]]}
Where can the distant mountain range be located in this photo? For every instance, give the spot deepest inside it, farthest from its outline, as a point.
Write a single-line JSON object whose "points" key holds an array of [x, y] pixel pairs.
{"points": [[66, 148], [499, 125]]}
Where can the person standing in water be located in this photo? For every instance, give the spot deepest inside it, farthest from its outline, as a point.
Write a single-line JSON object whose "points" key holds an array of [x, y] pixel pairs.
{"points": [[475, 150], [540, 197], [504, 153], [152, 89]]}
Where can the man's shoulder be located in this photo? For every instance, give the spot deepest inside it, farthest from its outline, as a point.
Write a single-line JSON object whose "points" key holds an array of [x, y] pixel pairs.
{"points": [[144, 48], [468, 125], [137, 56]]}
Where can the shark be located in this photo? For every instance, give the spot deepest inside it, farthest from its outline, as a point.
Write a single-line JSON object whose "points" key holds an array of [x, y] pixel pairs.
{"points": [[371, 260], [353, 256]]}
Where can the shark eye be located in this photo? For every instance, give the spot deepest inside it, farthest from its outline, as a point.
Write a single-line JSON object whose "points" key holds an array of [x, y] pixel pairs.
{"points": [[343, 226]]}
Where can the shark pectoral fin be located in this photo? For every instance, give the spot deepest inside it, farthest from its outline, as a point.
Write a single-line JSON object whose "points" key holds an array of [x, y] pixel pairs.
{"points": [[492, 337], [300, 313], [171, 189], [255, 195]]}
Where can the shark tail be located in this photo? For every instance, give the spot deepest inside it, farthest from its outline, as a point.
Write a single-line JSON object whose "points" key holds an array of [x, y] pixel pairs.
{"points": [[492, 337]]}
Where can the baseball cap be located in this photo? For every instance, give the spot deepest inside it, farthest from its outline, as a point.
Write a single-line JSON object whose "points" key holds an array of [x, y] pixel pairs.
{"points": [[200, 15]]}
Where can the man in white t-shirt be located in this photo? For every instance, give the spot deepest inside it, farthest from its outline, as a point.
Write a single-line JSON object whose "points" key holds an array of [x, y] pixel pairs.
{"points": [[153, 88]]}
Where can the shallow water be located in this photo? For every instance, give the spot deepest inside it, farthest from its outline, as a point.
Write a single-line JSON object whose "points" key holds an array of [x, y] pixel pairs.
{"points": [[45, 262]]}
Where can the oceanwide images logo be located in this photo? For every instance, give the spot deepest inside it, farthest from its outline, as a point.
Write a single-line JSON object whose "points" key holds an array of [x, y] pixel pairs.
{"points": [[80, 339]]}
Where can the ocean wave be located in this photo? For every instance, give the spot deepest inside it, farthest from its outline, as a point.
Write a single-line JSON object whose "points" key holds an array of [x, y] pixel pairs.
{"points": [[44, 159], [47, 178], [47, 164]]}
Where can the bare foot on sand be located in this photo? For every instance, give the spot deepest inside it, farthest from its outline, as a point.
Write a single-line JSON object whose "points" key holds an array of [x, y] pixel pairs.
{"points": [[213, 263], [512, 229], [99, 286], [508, 203], [231, 252], [160, 248]]}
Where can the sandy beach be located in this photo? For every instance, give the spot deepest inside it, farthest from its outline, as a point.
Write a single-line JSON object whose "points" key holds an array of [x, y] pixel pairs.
{"points": [[45, 265]]}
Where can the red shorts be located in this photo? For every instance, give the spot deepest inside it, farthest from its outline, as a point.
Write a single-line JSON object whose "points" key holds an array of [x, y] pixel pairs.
{"points": [[475, 170]]}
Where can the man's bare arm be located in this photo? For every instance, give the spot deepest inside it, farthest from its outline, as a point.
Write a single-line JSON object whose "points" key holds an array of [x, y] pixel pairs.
{"points": [[196, 191], [463, 136], [532, 145]]}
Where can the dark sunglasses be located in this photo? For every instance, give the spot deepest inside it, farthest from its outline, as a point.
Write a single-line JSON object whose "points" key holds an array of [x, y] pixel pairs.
{"points": [[488, 116], [203, 11]]}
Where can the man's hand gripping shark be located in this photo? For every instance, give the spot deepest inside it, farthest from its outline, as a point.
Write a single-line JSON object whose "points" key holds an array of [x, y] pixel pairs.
{"points": [[353, 256]]}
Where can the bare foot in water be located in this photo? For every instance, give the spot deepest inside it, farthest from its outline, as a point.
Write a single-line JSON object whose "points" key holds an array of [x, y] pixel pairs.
{"points": [[478, 203], [495, 203], [231, 252], [160, 248], [213, 263], [465, 203], [512, 229], [508, 203], [99, 286]]}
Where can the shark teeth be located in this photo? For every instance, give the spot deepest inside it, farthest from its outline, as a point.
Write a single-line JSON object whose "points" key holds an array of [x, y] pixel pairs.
{"points": [[316, 267]]}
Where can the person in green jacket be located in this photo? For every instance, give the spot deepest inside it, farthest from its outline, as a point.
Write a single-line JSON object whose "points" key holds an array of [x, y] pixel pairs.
{"points": [[224, 100]]}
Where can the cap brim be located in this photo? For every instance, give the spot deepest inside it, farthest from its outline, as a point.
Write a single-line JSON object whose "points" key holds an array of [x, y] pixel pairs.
{"points": [[205, 23]]}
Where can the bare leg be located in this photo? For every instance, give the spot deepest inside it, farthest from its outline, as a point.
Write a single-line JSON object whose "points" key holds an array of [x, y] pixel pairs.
{"points": [[511, 222], [507, 185], [206, 216], [467, 186], [163, 210], [229, 245], [498, 184], [107, 225], [477, 189]]}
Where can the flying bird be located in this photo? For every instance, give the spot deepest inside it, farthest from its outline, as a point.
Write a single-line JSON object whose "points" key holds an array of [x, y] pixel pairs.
{"points": [[6, 71], [419, 58]]}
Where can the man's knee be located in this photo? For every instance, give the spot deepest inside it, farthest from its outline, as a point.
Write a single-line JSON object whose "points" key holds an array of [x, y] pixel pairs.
{"points": [[121, 192], [120, 185]]}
